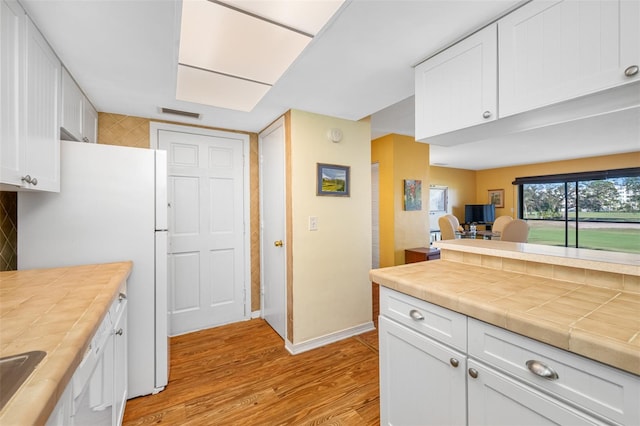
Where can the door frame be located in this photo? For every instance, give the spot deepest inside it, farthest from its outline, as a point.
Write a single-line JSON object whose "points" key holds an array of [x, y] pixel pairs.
{"points": [[280, 122], [155, 127]]}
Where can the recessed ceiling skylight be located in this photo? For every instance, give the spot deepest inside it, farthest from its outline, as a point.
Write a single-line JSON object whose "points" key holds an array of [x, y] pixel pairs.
{"points": [[231, 53]]}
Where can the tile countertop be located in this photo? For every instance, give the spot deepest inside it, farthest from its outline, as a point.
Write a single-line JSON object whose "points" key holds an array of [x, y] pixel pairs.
{"points": [[578, 304], [54, 310]]}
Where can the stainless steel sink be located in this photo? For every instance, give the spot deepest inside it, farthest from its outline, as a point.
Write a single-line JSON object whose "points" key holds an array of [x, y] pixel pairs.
{"points": [[14, 370]]}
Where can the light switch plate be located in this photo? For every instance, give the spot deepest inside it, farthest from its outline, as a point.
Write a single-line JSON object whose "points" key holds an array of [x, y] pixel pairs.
{"points": [[313, 223]]}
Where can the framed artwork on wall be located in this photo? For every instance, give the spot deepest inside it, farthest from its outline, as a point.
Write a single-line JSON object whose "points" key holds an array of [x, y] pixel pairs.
{"points": [[412, 194], [333, 180], [496, 197]]}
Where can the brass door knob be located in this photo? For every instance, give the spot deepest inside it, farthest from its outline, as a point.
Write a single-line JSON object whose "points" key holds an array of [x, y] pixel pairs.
{"points": [[278, 243]]}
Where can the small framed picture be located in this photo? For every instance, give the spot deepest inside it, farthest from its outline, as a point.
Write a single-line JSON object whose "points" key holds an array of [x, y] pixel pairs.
{"points": [[496, 196], [412, 194], [333, 180]]}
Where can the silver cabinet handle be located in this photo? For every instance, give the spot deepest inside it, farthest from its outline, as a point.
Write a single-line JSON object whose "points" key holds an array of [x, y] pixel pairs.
{"points": [[540, 369], [122, 296], [631, 70], [486, 114], [120, 332], [85, 139], [473, 373], [416, 315], [454, 362], [29, 179]]}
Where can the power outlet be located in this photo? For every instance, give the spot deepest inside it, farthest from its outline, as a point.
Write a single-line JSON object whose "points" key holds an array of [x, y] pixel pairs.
{"points": [[313, 223]]}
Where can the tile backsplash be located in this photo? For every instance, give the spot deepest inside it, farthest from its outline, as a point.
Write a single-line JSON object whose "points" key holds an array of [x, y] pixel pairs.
{"points": [[8, 231]]}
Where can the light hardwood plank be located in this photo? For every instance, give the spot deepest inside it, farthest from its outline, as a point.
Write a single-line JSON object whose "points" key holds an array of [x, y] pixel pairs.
{"points": [[241, 374]]}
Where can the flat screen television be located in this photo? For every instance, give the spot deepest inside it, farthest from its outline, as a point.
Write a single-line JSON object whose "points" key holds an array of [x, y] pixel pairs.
{"points": [[479, 213]]}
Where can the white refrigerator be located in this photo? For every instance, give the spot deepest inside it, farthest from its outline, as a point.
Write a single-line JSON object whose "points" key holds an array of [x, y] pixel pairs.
{"points": [[112, 206]]}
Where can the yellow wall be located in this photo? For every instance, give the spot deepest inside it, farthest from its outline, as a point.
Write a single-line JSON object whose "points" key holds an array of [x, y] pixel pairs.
{"points": [[399, 158], [331, 287], [382, 153], [502, 178], [462, 188]]}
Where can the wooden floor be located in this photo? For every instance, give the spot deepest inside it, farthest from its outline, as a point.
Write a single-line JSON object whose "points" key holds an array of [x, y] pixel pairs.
{"points": [[240, 374]]}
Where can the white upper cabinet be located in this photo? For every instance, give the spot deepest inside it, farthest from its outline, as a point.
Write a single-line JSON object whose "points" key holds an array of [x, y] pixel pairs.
{"points": [[79, 120], [30, 90], [42, 128], [552, 51], [457, 87], [11, 69], [89, 123], [72, 107]]}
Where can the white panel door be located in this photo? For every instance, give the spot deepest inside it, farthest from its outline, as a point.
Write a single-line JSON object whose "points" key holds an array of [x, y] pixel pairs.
{"points": [[273, 254], [206, 230]]}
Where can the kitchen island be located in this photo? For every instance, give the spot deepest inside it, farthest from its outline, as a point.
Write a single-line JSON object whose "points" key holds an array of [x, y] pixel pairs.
{"points": [[58, 311], [489, 306]]}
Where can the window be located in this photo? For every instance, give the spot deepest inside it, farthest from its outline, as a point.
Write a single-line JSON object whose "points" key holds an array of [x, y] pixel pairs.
{"points": [[595, 210], [438, 199]]}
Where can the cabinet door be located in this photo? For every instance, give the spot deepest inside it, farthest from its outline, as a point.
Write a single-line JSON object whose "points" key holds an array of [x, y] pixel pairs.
{"points": [[11, 69], [120, 364], [42, 88], [72, 108], [90, 123], [496, 399], [61, 414], [419, 384], [457, 88], [551, 51]]}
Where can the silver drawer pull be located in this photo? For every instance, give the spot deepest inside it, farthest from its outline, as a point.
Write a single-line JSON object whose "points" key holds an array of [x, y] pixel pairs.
{"points": [[454, 362], [473, 373], [542, 370], [416, 315], [631, 71]]}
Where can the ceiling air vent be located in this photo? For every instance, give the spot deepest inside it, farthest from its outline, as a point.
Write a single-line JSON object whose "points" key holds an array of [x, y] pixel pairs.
{"points": [[178, 112]]}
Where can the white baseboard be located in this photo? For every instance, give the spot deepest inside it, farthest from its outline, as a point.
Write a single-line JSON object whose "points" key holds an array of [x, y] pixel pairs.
{"points": [[256, 314], [317, 342]]}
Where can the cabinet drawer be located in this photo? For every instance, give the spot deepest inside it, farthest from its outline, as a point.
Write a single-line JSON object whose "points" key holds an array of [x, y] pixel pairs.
{"points": [[438, 323], [497, 399], [602, 390]]}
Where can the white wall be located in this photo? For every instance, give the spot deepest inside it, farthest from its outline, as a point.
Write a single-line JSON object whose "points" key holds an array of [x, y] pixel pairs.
{"points": [[331, 287]]}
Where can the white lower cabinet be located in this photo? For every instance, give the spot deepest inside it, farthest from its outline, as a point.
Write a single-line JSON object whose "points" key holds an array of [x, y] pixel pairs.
{"points": [[120, 381], [422, 382], [97, 392], [62, 412], [439, 367]]}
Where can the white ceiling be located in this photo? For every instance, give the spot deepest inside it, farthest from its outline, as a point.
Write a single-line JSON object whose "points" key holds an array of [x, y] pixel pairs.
{"points": [[123, 53]]}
